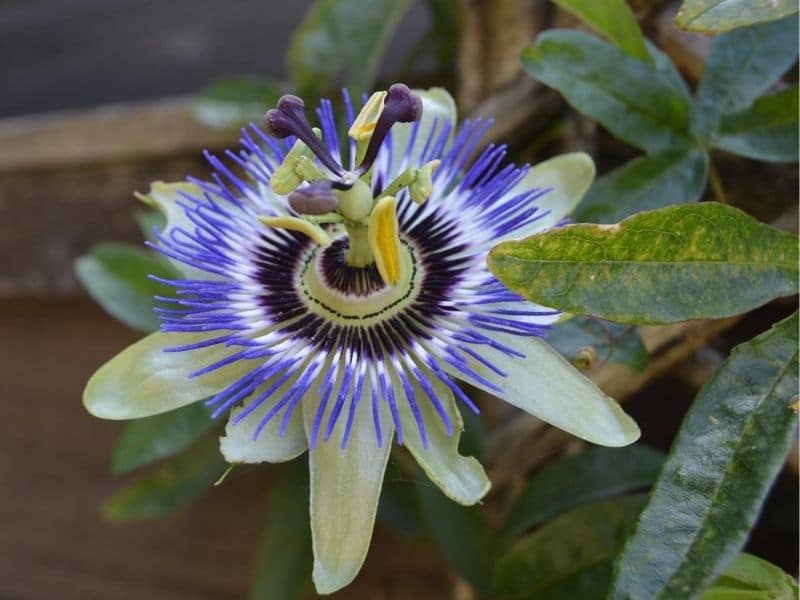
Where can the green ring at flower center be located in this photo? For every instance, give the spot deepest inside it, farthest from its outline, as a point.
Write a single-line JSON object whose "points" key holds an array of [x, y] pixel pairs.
{"points": [[355, 305]]}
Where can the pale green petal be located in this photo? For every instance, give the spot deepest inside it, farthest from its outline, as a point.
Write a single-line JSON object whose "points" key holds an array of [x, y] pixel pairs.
{"points": [[439, 108], [143, 380], [461, 478], [569, 176], [545, 385], [345, 487], [238, 445], [165, 197]]}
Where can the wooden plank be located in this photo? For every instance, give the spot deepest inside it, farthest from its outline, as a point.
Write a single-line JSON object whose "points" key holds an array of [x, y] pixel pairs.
{"points": [[67, 182], [50, 217], [105, 135]]}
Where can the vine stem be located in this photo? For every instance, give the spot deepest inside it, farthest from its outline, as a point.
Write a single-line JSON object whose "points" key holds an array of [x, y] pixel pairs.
{"points": [[715, 182]]}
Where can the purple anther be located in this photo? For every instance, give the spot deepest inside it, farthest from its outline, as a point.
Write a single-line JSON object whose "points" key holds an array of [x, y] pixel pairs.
{"points": [[289, 118], [401, 106], [316, 198]]}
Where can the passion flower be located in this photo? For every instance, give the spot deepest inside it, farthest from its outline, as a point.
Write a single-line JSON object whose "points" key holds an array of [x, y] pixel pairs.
{"points": [[335, 294]]}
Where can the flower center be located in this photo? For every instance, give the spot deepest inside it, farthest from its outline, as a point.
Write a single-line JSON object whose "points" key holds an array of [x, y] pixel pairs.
{"points": [[341, 292]]}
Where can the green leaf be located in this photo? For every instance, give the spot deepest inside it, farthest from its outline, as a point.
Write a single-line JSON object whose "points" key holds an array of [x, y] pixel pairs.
{"points": [[168, 486], [699, 261], [116, 276], [147, 440], [145, 379], [669, 72], [233, 102], [592, 475], [730, 448], [645, 183], [571, 556], [399, 506], [752, 578], [635, 101], [767, 131], [460, 534], [610, 341], [724, 15], [614, 20], [446, 17], [472, 438], [342, 41], [741, 66], [282, 567]]}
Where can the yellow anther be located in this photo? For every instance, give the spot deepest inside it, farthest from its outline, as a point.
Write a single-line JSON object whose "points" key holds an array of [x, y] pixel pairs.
{"points": [[286, 177], [307, 170], [362, 128], [315, 232], [422, 186], [384, 241]]}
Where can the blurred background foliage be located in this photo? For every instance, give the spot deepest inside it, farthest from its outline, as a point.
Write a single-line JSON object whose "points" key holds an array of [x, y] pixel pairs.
{"points": [[672, 118]]}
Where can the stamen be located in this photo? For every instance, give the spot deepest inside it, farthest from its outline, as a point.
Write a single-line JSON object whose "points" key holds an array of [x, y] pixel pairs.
{"points": [[286, 177], [419, 182], [400, 106], [312, 230], [289, 118], [422, 186]]}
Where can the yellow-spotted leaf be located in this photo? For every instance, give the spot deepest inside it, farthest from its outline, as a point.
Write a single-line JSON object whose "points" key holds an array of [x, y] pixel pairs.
{"points": [[683, 262]]}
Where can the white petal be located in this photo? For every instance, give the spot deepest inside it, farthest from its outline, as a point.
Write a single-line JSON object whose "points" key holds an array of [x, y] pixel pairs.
{"points": [[569, 177], [345, 488], [144, 380], [238, 445], [460, 478], [545, 385]]}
